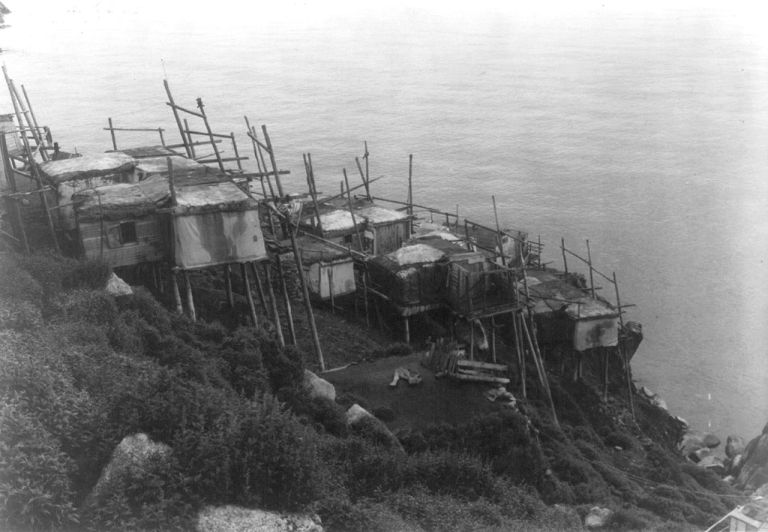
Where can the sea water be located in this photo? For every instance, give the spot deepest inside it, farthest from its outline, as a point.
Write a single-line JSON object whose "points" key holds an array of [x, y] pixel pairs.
{"points": [[644, 131]]}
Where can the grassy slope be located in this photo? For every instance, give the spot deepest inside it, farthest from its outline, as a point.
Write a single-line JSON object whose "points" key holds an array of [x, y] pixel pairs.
{"points": [[80, 371]]}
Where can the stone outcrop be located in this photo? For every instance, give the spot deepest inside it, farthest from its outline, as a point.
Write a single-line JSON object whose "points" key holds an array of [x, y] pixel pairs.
{"points": [[318, 387], [369, 426], [754, 469], [597, 517], [117, 287], [237, 519], [734, 446], [135, 458]]}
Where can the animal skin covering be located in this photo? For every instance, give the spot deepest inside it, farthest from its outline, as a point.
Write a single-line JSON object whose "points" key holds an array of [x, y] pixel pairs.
{"points": [[219, 237]]}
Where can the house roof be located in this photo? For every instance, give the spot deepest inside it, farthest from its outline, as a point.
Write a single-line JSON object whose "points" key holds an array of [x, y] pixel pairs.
{"points": [[124, 200], [415, 254], [375, 214], [316, 251], [222, 195], [181, 166], [142, 152], [87, 166]]}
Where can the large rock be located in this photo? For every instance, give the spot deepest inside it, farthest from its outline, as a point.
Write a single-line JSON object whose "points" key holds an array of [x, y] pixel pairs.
{"points": [[237, 519], [135, 458], [318, 387], [369, 426], [714, 464], [117, 287], [734, 445], [711, 441], [691, 443], [754, 470], [597, 517]]}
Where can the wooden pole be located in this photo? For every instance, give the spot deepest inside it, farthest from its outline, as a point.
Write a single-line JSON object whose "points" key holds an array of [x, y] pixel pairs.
{"points": [[8, 169], [471, 340], [273, 300], [365, 295], [365, 156], [228, 286], [190, 298], [330, 289], [604, 353], [283, 285], [364, 179], [312, 189], [352, 212], [187, 129], [101, 228], [622, 353], [184, 140], [520, 353], [307, 302], [34, 118], [234, 149], [176, 294], [498, 233], [541, 370], [112, 133], [410, 193], [565, 261], [23, 116], [259, 288], [591, 278], [210, 135], [248, 294], [493, 339], [271, 151]]}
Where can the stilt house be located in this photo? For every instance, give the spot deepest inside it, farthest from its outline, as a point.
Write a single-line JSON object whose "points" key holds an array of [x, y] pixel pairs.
{"points": [[68, 176], [121, 225], [214, 223], [328, 270]]}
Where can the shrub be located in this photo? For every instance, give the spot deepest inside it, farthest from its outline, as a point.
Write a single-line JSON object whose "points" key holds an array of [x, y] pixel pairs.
{"points": [[620, 439], [87, 274], [35, 491], [627, 519], [91, 306]]}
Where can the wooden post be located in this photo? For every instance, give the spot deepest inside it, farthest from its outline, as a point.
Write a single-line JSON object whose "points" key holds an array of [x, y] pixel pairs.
{"points": [[591, 278], [283, 285], [498, 235], [101, 228], [365, 295], [259, 288], [8, 169], [565, 261], [176, 294], [493, 339], [210, 135], [273, 300], [190, 298], [410, 193], [471, 340], [228, 286], [330, 289], [34, 124], [407, 329], [112, 133], [540, 369], [604, 353], [622, 353], [184, 139], [352, 212], [249, 295], [520, 353], [234, 149], [365, 156], [365, 180], [187, 129], [272, 159], [312, 189], [307, 302]]}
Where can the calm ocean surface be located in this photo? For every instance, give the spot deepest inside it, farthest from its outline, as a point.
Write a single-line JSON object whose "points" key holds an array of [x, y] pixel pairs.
{"points": [[645, 132]]}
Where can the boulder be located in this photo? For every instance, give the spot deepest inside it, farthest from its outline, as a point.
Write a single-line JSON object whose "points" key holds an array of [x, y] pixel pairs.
{"points": [[117, 287], [597, 517], [699, 454], [660, 403], [711, 441], [691, 443], [318, 387], [369, 426], [135, 458], [237, 519], [734, 445], [754, 470], [714, 464]]}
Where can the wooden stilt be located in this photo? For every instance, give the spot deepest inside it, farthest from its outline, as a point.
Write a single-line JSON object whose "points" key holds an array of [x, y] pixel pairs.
{"points": [[176, 294], [330, 289], [228, 286], [112, 133], [8, 169], [248, 294], [520, 353], [565, 260], [273, 300], [307, 302], [184, 140], [604, 353], [591, 277], [190, 298], [407, 329], [471, 340], [410, 193], [284, 285], [540, 369], [365, 296], [493, 340], [622, 353], [259, 288]]}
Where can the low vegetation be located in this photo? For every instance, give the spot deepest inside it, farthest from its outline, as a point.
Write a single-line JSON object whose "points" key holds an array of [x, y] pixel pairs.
{"points": [[80, 370]]}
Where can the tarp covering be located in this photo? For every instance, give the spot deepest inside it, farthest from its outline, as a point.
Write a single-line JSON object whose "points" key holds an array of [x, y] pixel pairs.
{"points": [[223, 195], [313, 251], [148, 151], [217, 237], [374, 214], [87, 166], [182, 167], [123, 200], [338, 220], [415, 254], [599, 332]]}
